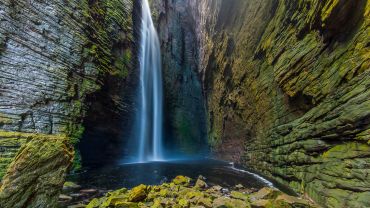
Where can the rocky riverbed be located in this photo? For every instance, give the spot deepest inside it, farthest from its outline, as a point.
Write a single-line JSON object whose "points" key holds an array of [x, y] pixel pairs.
{"points": [[183, 191]]}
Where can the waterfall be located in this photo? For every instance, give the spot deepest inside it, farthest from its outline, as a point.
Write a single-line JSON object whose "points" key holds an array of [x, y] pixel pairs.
{"points": [[151, 91]]}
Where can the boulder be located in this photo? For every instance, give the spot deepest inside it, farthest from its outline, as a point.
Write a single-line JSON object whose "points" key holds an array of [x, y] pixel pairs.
{"points": [[138, 193]]}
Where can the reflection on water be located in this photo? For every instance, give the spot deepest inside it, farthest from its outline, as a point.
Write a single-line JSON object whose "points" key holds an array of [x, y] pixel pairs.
{"points": [[130, 175]]}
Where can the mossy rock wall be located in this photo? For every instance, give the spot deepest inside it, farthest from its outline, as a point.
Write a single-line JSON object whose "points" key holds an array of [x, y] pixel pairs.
{"points": [[287, 89], [53, 54], [185, 116]]}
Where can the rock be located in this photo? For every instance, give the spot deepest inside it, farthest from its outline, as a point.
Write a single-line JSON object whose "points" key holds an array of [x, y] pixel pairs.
{"points": [[68, 185], [46, 74], [125, 205], [200, 184], [35, 178], [183, 203], [181, 180], [225, 191], [292, 201], [94, 203], [77, 206], [89, 191], [181, 196], [205, 202], [216, 188], [261, 203], [238, 186], [239, 195], [77, 195], [138, 193], [298, 96], [265, 193], [63, 197], [227, 202]]}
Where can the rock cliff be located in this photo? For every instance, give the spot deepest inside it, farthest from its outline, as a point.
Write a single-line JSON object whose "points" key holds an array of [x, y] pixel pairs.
{"points": [[184, 100], [287, 91], [53, 55], [282, 87]]}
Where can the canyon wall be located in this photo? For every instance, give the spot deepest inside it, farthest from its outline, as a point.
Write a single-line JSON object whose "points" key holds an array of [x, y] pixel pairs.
{"points": [[287, 87], [53, 56], [184, 101]]}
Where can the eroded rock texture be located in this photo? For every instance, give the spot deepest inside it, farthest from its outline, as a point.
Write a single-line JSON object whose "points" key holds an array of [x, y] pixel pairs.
{"points": [[53, 54], [287, 87]]}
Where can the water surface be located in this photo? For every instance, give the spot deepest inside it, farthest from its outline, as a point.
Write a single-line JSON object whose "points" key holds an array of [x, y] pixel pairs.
{"points": [[152, 173]]}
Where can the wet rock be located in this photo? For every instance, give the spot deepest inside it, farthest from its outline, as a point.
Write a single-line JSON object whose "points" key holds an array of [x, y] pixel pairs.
{"points": [[70, 184], [63, 197], [89, 191], [138, 193], [77, 195], [181, 196], [181, 180]]}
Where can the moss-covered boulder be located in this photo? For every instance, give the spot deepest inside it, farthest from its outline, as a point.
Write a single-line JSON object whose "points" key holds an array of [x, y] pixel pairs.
{"points": [[138, 193], [184, 195], [36, 176]]}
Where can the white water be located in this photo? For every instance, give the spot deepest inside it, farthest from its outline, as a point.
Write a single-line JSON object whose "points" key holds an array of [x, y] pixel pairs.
{"points": [[151, 91]]}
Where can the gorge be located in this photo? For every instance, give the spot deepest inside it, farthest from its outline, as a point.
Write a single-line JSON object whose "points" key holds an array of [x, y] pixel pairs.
{"points": [[280, 88]]}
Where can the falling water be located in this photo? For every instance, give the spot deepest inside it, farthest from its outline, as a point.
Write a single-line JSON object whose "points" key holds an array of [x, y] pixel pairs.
{"points": [[151, 90]]}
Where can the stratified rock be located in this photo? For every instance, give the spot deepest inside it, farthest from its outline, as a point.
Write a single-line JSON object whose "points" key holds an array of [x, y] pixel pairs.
{"points": [[36, 176], [287, 91], [53, 55]]}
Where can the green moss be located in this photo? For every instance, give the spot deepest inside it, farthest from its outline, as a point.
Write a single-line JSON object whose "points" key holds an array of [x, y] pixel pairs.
{"points": [[12, 141], [181, 180], [328, 8], [4, 119], [348, 150], [45, 159]]}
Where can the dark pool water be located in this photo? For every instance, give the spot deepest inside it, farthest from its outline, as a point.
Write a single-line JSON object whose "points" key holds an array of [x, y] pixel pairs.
{"points": [[130, 175]]}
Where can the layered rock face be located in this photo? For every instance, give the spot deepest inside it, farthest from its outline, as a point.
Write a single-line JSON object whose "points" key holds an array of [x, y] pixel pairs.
{"points": [[287, 91], [184, 100], [53, 54]]}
